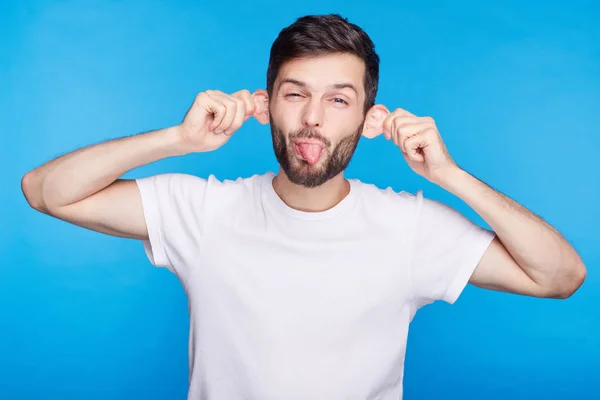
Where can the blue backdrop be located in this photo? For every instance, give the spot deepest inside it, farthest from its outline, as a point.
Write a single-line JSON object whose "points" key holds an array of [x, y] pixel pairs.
{"points": [[515, 91]]}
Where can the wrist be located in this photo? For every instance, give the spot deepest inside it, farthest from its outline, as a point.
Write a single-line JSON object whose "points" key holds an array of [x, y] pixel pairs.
{"points": [[452, 179], [174, 141]]}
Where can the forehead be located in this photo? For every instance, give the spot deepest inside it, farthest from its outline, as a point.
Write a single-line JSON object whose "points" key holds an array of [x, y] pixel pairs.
{"points": [[324, 71]]}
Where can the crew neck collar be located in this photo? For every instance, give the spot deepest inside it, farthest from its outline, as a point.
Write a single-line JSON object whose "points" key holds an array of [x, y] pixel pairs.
{"points": [[339, 208]]}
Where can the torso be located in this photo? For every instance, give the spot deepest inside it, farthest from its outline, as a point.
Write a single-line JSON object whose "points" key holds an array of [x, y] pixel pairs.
{"points": [[287, 308]]}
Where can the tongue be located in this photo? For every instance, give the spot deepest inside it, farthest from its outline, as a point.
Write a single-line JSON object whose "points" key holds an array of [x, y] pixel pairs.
{"points": [[310, 152]]}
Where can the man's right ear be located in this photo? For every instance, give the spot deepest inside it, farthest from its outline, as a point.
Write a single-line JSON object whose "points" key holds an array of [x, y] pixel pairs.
{"points": [[261, 102]]}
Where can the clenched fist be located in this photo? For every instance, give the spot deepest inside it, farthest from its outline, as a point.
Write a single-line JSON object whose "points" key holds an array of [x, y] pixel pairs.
{"points": [[418, 139], [215, 116]]}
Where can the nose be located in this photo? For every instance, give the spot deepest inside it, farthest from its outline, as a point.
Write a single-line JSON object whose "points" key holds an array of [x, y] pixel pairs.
{"points": [[313, 113]]}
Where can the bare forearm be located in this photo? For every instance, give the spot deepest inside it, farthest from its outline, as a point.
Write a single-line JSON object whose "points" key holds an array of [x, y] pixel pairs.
{"points": [[539, 249], [81, 173]]}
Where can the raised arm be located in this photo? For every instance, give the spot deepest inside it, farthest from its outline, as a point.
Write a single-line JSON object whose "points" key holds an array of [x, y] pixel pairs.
{"points": [[84, 187], [527, 256]]}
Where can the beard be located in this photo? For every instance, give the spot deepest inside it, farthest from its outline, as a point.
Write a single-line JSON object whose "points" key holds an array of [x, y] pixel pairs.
{"points": [[333, 160]]}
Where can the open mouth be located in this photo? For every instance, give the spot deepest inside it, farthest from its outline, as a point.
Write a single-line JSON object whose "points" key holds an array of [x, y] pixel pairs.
{"points": [[309, 151]]}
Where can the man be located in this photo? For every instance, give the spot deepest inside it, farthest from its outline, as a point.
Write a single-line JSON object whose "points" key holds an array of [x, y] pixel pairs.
{"points": [[302, 285]]}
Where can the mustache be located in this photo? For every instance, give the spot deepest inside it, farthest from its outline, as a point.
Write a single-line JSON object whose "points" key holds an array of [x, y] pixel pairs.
{"points": [[307, 133]]}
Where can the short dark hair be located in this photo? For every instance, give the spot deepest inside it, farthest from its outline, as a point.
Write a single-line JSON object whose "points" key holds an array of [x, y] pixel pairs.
{"points": [[316, 35]]}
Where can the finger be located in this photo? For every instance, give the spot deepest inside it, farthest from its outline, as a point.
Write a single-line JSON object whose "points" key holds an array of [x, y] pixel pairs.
{"points": [[387, 126], [416, 145], [248, 100], [238, 119], [396, 123], [230, 111], [393, 133], [388, 123], [406, 130], [400, 112], [215, 108]]}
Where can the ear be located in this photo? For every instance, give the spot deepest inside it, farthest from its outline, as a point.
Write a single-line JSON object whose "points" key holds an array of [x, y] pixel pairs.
{"points": [[373, 125], [261, 102]]}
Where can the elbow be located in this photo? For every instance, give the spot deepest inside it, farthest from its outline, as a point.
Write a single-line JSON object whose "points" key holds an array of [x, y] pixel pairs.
{"points": [[31, 192], [572, 282]]}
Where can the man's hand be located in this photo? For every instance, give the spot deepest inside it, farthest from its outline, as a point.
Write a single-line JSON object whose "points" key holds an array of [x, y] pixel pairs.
{"points": [[420, 142], [83, 186], [528, 256], [215, 116]]}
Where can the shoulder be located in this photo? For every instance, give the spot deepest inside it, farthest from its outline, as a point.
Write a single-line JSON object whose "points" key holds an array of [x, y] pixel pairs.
{"points": [[230, 188], [176, 181], [388, 198], [196, 191], [223, 194], [416, 202]]}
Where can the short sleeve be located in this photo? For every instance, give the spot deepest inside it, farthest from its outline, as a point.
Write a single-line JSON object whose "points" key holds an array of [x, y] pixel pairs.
{"points": [[446, 250], [173, 206]]}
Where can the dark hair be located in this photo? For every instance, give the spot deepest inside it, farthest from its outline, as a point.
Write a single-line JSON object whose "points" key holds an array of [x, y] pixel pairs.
{"points": [[316, 35]]}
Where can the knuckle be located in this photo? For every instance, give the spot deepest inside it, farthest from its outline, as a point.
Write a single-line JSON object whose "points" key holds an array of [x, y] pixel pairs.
{"points": [[231, 102], [388, 123], [232, 128], [429, 132]]}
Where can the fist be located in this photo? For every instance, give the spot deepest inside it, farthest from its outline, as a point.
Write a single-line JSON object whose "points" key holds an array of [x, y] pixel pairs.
{"points": [[417, 138], [420, 143], [215, 116]]}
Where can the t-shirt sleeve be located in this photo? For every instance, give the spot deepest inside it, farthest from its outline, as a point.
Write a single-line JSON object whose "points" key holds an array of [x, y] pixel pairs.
{"points": [[173, 206], [446, 250]]}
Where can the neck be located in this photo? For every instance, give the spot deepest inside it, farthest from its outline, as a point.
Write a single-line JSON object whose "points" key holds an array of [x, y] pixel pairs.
{"points": [[317, 199]]}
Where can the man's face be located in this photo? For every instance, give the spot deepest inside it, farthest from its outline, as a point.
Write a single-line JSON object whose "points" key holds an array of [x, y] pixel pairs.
{"points": [[316, 115]]}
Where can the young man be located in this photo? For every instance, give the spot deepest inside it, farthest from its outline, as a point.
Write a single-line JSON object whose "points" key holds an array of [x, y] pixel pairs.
{"points": [[302, 285]]}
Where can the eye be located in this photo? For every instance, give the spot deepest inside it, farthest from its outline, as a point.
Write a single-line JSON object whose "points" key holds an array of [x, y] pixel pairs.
{"points": [[293, 95], [340, 100]]}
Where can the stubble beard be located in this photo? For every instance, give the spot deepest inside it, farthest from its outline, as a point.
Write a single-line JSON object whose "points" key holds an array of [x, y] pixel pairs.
{"points": [[332, 162]]}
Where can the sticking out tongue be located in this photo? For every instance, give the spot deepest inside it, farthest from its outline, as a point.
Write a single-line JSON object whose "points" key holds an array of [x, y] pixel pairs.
{"points": [[310, 152]]}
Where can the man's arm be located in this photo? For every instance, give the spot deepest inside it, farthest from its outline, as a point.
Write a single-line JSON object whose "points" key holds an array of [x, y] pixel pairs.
{"points": [[528, 256], [83, 187]]}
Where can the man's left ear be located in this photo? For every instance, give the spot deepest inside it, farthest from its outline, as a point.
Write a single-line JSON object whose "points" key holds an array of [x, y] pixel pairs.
{"points": [[373, 125]]}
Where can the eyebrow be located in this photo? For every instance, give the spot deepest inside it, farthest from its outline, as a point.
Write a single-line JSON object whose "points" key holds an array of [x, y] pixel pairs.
{"points": [[337, 86]]}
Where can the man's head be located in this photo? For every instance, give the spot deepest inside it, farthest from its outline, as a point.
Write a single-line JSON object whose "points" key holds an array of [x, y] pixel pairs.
{"points": [[322, 82]]}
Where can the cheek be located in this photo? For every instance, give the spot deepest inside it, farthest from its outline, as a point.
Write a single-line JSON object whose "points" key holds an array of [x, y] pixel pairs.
{"points": [[286, 113], [345, 126], [344, 117]]}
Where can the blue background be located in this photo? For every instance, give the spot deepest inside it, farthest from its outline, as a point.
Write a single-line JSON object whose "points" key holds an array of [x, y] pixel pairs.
{"points": [[514, 89]]}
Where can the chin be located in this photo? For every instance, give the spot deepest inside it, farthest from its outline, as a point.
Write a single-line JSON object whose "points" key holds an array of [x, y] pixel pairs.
{"points": [[304, 174], [333, 161]]}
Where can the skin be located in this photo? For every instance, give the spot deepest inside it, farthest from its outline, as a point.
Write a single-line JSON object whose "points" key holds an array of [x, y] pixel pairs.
{"points": [[527, 257], [306, 99]]}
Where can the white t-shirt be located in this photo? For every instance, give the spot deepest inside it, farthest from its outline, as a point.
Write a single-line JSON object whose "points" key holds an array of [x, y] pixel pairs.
{"points": [[292, 305]]}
